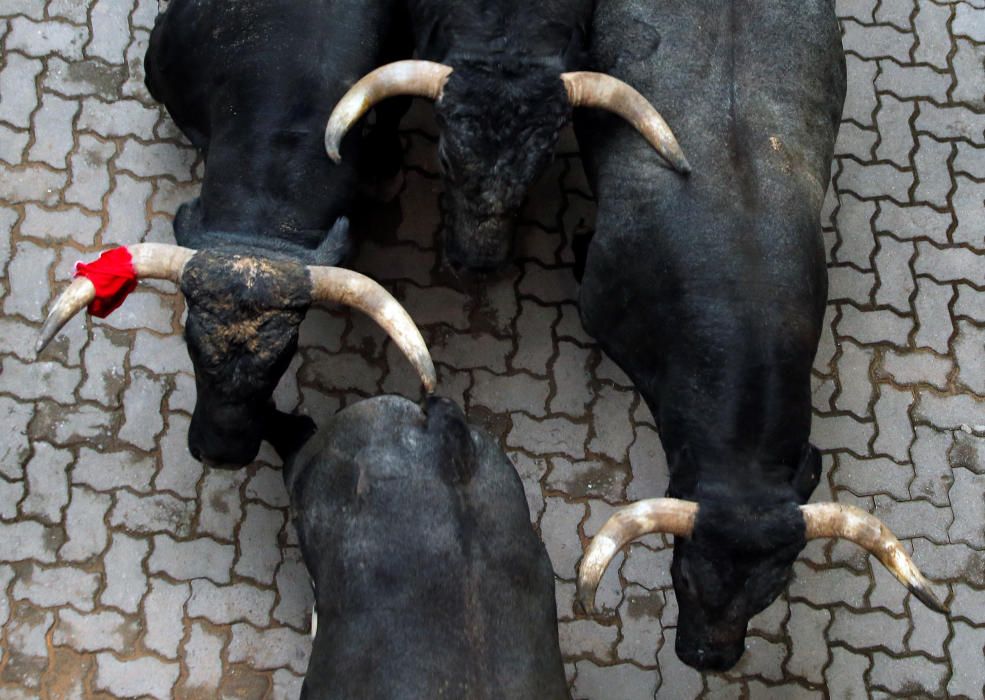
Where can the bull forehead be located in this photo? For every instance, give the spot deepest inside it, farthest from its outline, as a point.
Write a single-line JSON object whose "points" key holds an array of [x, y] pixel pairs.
{"points": [[224, 282]]}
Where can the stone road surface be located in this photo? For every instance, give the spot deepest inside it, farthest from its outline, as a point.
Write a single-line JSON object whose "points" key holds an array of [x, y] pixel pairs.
{"points": [[131, 571]]}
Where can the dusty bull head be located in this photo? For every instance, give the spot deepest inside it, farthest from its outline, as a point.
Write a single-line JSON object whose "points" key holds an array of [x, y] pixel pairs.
{"points": [[727, 568], [242, 331], [498, 127]]}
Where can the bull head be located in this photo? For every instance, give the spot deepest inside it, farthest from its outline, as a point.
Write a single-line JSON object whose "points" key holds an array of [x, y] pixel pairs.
{"points": [[499, 127], [730, 563], [242, 331]]}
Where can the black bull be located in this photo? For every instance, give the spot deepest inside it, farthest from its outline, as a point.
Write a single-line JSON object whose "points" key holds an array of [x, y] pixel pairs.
{"points": [[505, 75], [429, 579], [710, 293], [251, 83]]}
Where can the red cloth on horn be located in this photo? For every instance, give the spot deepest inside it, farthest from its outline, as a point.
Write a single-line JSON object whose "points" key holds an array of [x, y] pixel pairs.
{"points": [[113, 277]]}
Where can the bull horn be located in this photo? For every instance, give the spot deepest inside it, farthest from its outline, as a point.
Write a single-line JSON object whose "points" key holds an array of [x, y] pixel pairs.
{"points": [[149, 260], [586, 89], [866, 530], [335, 284], [669, 515], [416, 78]]}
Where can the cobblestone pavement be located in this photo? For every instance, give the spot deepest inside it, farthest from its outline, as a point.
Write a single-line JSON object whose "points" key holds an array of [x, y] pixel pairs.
{"points": [[133, 571]]}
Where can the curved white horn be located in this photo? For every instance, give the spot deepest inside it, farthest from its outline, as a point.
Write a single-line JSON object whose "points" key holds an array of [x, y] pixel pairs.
{"points": [[586, 89], [350, 288], [416, 78], [150, 261], [669, 515], [867, 531]]}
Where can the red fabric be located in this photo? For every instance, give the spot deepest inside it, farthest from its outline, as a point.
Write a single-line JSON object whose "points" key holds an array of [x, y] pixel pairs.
{"points": [[114, 278]]}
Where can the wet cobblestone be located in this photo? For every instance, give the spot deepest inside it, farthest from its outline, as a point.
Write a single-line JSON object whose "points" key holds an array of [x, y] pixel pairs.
{"points": [[131, 571]]}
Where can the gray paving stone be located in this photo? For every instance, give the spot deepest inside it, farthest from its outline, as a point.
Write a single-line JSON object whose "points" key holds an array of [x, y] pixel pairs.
{"points": [[893, 122], [559, 529], [613, 427], [104, 472], [531, 471], [935, 325], [109, 20], [180, 472], [847, 283], [854, 368], [508, 393], [763, 658], [85, 525], [967, 498], [259, 551], [933, 176], [163, 607], [222, 605], [18, 95], [90, 174], [587, 638], [57, 586], [875, 180], [104, 630], [872, 327], [867, 477], [39, 39], [268, 649], [38, 380], [143, 309], [930, 630], [910, 368], [969, 348], [572, 379], [969, 604], [967, 63], [549, 436], [28, 282], [841, 432], [827, 586], [894, 429], [118, 118], [138, 677], [969, 205], [870, 630], [641, 632], [911, 674], [142, 410], [14, 445], [934, 40], [950, 411], [968, 452], [157, 512], [648, 568], [896, 283], [860, 100], [951, 122], [533, 337], [52, 127], [11, 493], [914, 518], [202, 655], [192, 559], [966, 648], [683, 681], [126, 582], [47, 483], [295, 596], [622, 681], [221, 508]]}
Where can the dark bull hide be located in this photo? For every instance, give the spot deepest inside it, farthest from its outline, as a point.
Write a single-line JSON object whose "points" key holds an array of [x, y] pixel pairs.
{"points": [[500, 73], [251, 83], [710, 293], [429, 579]]}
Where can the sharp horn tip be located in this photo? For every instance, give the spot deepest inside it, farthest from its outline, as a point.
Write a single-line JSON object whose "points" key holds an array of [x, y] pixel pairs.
{"points": [[683, 167], [928, 598]]}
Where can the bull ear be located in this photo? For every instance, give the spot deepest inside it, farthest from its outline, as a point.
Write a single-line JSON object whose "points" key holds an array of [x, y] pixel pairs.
{"points": [[808, 474], [447, 423], [336, 247]]}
